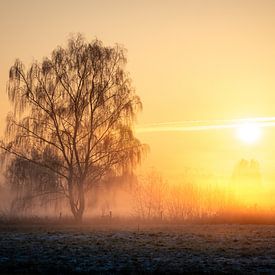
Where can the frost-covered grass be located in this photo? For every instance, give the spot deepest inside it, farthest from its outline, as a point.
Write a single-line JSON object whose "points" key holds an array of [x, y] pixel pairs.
{"points": [[166, 248]]}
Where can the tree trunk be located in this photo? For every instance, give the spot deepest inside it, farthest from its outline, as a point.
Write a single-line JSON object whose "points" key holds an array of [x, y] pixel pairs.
{"points": [[77, 202], [78, 215]]}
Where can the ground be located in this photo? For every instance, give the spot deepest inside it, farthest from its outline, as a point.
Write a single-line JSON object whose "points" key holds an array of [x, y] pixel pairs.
{"points": [[137, 249]]}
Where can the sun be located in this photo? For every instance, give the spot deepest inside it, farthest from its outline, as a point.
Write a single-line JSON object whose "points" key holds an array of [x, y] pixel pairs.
{"points": [[249, 132]]}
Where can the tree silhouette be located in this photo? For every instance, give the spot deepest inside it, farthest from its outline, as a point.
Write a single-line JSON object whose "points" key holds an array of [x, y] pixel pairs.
{"points": [[79, 105], [247, 172], [246, 182]]}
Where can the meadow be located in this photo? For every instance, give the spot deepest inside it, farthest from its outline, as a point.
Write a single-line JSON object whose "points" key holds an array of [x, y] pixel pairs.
{"points": [[135, 249]]}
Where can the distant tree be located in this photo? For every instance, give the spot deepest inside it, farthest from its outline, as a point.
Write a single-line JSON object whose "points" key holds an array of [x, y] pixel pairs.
{"points": [[247, 172], [79, 105], [246, 182], [149, 195]]}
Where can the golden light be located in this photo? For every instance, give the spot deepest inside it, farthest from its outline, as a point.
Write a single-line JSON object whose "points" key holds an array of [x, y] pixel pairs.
{"points": [[249, 132]]}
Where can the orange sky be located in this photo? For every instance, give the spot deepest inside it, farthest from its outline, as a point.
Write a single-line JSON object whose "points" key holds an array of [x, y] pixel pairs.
{"points": [[189, 60]]}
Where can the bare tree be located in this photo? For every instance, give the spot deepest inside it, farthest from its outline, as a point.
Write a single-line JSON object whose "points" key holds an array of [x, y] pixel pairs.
{"points": [[149, 195], [80, 105], [245, 182]]}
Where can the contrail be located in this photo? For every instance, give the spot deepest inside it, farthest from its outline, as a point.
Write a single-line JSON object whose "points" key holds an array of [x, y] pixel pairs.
{"points": [[204, 125]]}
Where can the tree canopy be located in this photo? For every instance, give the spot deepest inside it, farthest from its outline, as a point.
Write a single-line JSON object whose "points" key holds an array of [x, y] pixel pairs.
{"points": [[78, 107]]}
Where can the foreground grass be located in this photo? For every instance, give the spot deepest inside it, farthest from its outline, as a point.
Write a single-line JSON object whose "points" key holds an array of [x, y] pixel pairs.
{"points": [[130, 249]]}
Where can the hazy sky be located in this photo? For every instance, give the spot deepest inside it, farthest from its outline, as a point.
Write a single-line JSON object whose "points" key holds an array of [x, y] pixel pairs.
{"points": [[189, 60]]}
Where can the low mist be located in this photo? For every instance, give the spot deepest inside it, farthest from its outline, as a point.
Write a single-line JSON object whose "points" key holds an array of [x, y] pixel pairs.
{"points": [[149, 197]]}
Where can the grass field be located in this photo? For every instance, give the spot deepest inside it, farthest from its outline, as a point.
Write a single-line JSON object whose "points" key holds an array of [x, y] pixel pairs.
{"points": [[131, 249]]}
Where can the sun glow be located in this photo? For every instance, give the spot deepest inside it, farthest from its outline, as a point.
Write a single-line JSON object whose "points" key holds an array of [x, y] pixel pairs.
{"points": [[249, 132]]}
